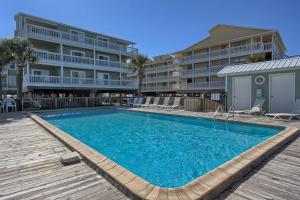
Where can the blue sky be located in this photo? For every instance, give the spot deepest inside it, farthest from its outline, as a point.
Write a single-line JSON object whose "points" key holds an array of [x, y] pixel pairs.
{"points": [[161, 26]]}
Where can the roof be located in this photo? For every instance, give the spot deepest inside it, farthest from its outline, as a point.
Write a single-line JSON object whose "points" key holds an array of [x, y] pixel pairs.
{"points": [[267, 66], [80, 29], [224, 33]]}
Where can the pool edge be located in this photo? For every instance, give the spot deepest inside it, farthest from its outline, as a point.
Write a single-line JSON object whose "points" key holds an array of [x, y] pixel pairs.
{"points": [[206, 186]]}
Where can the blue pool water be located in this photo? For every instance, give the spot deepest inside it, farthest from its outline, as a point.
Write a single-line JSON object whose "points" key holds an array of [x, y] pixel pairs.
{"points": [[167, 151]]}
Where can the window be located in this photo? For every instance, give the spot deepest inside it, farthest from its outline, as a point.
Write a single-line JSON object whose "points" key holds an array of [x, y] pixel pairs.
{"points": [[38, 72], [103, 39], [77, 74], [207, 79], [103, 57], [239, 60], [189, 81], [77, 53]]}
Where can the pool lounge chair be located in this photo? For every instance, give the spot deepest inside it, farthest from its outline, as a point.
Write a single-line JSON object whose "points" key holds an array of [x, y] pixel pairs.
{"points": [[1, 106], [255, 110], [175, 105], [155, 103], [149, 105], [138, 103], [147, 102], [165, 103], [10, 103], [295, 113]]}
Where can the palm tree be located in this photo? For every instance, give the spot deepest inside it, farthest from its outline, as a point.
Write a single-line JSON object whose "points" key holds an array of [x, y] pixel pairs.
{"points": [[138, 64], [256, 58], [5, 58], [22, 54]]}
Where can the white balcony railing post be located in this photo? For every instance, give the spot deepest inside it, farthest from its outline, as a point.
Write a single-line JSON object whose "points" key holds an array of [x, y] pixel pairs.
{"points": [[60, 36]]}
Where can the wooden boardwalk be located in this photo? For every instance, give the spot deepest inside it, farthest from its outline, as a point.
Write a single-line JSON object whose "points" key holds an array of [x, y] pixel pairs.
{"points": [[276, 178], [30, 166], [30, 169]]}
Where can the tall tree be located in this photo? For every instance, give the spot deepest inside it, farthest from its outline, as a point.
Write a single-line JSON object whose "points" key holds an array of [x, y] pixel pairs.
{"points": [[5, 58], [22, 54], [138, 64]]}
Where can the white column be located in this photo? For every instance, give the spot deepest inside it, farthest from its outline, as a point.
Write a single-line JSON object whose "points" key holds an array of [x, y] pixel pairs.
{"points": [[61, 64], [272, 43], [120, 60], [229, 53], [94, 55], [251, 46], [193, 66]]}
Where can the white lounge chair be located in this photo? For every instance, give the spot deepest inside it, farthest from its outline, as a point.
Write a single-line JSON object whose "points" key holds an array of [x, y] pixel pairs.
{"points": [[149, 105], [10, 103], [255, 110], [176, 104], [2, 107], [295, 113], [165, 103], [138, 103], [155, 103], [147, 102]]}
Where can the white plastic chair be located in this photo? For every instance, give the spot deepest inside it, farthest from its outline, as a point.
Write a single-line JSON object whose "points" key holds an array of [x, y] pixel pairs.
{"points": [[10, 103]]}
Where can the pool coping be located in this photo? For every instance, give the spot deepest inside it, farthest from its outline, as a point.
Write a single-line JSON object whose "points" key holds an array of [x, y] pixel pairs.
{"points": [[206, 186]]}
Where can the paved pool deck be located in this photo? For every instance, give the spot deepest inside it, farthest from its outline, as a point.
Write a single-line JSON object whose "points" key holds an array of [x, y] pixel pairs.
{"points": [[30, 166]]}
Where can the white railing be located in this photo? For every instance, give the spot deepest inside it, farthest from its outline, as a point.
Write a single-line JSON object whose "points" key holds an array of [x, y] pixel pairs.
{"points": [[57, 81], [233, 51], [165, 68], [201, 71], [55, 58], [205, 85], [160, 88], [161, 79], [52, 34]]}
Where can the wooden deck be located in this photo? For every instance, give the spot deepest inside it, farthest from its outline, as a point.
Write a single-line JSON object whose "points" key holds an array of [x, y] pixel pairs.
{"points": [[30, 166], [30, 169]]}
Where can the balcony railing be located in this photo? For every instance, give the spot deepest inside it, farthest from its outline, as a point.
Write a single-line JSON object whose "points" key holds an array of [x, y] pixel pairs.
{"points": [[55, 58], [57, 81], [233, 51], [161, 88], [165, 68], [58, 36], [201, 71], [161, 79], [205, 85]]}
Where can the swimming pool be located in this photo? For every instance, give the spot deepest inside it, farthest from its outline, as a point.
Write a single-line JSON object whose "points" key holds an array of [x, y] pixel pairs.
{"points": [[167, 151]]}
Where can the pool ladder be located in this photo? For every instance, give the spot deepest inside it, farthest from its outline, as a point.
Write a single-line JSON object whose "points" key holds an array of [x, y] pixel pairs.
{"points": [[220, 111], [230, 114]]}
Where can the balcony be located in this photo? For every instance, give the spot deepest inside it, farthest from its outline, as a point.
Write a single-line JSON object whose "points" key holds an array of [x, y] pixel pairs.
{"points": [[43, 33], [49, 58], [71, 82], [225, 53], [161, 79], [205, 85], [166, 68], [161, 88], [204, 71]]}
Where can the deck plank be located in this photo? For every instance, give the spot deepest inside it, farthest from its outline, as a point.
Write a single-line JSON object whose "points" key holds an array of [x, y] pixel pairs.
{"points": [[30, 166]]}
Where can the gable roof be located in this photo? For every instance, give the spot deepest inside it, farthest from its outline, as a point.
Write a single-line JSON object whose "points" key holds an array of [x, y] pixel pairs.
{"points": [[267, 66], [222, 33]]}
